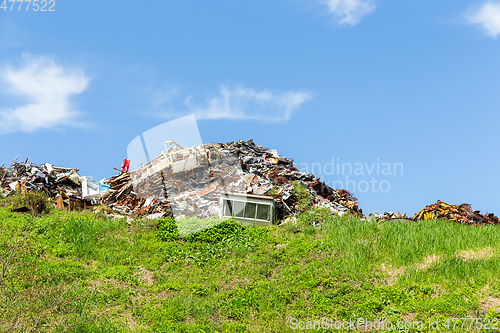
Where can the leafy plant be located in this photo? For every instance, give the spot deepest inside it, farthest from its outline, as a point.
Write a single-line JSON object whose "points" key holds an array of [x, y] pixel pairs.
{"points": [[304, 198], [212, 230], [35, 202]]}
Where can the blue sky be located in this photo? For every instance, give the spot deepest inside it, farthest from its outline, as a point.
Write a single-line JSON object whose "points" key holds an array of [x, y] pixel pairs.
{"points": [[411, 83]]}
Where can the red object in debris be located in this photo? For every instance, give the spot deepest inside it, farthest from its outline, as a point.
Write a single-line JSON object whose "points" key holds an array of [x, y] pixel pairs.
{"points": [[125, 165], [59, 203]]}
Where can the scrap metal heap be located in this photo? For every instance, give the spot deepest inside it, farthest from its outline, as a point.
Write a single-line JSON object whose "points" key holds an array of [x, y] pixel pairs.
{"points": [[458, 213], [190, 181], [61, 184]]}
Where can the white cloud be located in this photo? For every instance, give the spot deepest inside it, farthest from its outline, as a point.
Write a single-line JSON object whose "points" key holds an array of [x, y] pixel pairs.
{"points": [[487, 17], [245, 103], [46, 89], [350, 11]]}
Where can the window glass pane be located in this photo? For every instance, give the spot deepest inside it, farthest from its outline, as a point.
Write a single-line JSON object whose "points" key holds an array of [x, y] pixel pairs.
{"points": [[250, 209], [263, 212], [238, 208], [227, 208]]}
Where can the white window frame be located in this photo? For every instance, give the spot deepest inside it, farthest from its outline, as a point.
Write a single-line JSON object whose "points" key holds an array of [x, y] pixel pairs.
{"points": [[245, 199], [269, 210]]}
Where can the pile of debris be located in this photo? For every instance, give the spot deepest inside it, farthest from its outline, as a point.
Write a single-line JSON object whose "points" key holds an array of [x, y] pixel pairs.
{"points": [[61, 184], [123, 200], [190, 182], [459, 213], [270, 174], [183, 182], [193, 181], [388, 216]]}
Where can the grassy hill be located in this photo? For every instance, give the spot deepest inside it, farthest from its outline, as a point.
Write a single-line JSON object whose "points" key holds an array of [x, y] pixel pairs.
{"points": [[85, 272]]}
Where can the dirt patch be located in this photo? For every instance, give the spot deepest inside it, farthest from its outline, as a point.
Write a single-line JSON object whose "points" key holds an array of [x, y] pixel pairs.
{"points": [[219, 318], [92, 264], [233, 283], [428, 262], [147, 277], [106, 283], [393, 273], [490, 302], [316, 256], [126, 315], [126, 239], [474, 255], [165, 294], [409, 316], [134, 324], [320, 255]]}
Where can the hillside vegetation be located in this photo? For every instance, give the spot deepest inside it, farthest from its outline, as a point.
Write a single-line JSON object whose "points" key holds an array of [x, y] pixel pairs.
{"points": [[86, 272]]}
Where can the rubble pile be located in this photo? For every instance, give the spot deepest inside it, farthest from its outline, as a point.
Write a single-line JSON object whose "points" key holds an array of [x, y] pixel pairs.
{"points": [[190, 181], [275, 175], [122, 199], [389, 216], [459, 213], [184, 182], [61, 184]]}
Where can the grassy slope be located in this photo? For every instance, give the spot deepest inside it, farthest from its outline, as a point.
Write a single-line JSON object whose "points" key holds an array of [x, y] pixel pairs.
{"points": [[121, 277]]}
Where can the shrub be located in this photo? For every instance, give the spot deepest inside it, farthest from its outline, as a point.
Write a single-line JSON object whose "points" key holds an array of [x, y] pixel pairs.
{"points": [[212, 230], [35, 202], [304, 198]]}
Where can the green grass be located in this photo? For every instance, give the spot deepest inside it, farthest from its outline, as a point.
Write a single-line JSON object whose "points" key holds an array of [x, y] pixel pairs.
{"points": [[140, 277]]}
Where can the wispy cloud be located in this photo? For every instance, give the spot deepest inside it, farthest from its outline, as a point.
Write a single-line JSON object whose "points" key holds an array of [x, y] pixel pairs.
{"points": [[487, 17], [46, 89], [164, 96], [350, 11], [242, 103]]}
